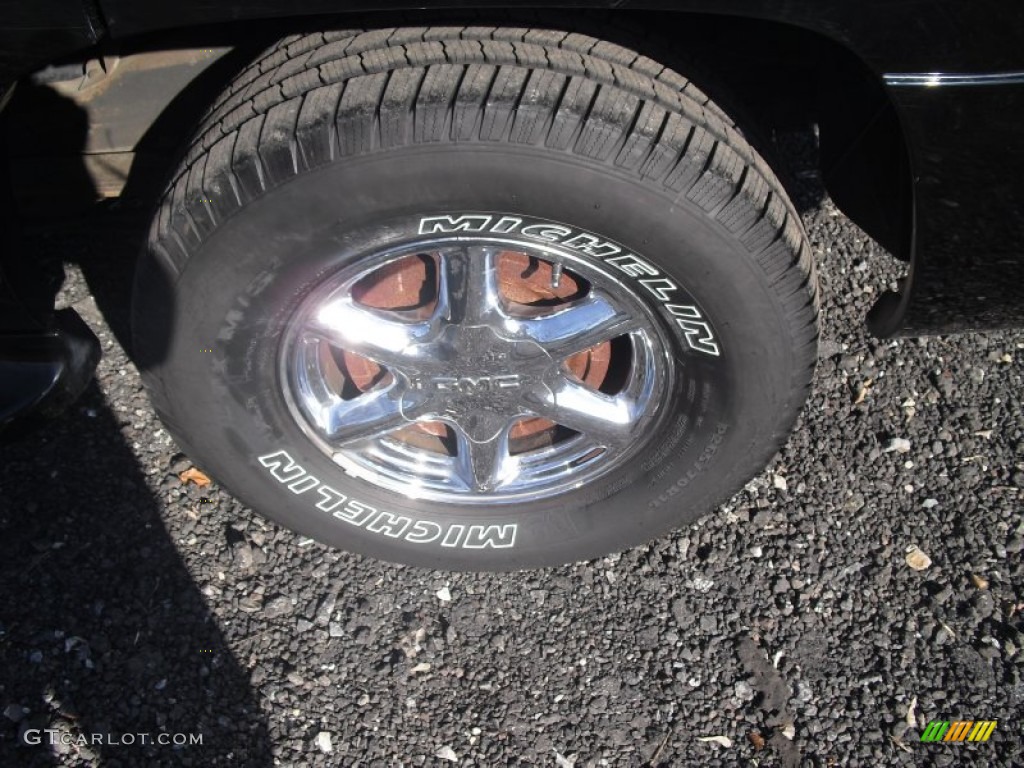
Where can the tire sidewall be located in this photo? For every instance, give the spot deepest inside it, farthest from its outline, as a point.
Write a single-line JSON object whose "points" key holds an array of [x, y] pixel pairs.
{"points": [[239, 288]]}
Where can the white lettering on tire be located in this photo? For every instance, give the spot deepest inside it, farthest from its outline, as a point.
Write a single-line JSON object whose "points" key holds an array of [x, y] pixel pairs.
{"points": [[697, 332], [286, 471], [696, 329]]}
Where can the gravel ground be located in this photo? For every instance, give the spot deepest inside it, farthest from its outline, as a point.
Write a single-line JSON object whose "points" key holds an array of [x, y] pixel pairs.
{"points": [[788, 624]]}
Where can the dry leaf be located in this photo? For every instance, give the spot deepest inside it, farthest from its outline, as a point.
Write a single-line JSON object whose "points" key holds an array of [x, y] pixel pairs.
{"points": [[948, 628], [447, 753], [897, 743], [862, 391], [911, 716], [724, 741], [979, 581], [195, 476], [756, 739], [917, 559]]}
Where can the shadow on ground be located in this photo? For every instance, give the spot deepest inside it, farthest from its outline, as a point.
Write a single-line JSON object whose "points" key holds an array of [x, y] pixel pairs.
{"points": [[108, 653], [103, 634]]}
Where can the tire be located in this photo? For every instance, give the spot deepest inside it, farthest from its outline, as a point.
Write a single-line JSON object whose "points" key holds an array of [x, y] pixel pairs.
{"points": [[589, 293]]}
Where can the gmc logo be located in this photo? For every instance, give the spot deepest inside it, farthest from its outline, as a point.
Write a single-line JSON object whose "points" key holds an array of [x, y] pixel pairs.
{"points": [[468, 384]]}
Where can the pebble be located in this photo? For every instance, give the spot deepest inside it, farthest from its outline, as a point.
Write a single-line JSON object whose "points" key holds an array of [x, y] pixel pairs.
{"points": [[325, 609], [277, 607], [743, 691], [898, 444], [323, 742]]}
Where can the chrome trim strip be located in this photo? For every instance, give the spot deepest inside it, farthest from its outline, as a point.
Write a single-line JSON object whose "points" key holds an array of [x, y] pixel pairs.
{"points": [[934, 79]]}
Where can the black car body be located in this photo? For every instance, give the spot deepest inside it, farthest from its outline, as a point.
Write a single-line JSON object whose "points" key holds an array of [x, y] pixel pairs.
{"points": [[918, 105]]}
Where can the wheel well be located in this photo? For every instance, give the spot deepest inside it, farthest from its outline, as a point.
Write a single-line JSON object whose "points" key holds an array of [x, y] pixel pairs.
{"points": [[770, 77], [775, 78]]}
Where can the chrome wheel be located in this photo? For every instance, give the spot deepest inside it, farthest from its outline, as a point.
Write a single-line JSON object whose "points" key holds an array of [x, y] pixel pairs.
{"points": [[467, 370]]}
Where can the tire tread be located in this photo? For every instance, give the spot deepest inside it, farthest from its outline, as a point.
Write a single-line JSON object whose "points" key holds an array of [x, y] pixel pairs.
{"points": [[312, 99]]}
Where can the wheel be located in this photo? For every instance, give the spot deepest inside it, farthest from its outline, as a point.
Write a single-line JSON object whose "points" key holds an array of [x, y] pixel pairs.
{"points": [[474, 298]]}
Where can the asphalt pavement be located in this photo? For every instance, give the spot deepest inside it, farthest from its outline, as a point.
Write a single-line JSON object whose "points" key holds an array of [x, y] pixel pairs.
{"points": [[869, 581]]}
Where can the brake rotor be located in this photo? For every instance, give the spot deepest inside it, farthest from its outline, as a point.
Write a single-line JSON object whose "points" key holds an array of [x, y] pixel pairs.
{"points": [[410, 284]]}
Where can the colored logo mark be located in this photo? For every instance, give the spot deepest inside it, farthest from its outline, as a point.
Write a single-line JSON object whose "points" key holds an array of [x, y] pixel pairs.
{"points": [[959, 730]]}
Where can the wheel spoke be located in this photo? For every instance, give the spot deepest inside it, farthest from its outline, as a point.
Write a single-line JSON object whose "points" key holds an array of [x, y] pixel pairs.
{"points": [[606, 419], [380, 336], [644, 376], [468, 290], [578, 326], [368, 415], [483, 460]]}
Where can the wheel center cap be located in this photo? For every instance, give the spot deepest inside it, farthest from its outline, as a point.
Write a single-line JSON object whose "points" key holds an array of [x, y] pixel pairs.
{"points": [[481, 382]]}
